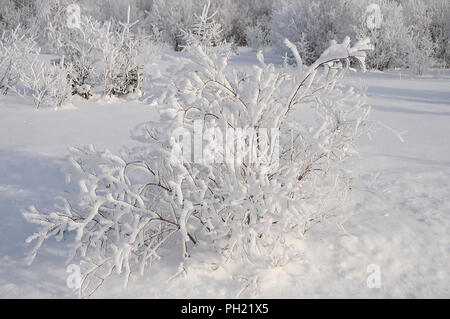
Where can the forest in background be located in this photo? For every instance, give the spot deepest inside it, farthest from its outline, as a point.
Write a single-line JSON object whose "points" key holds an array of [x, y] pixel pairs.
{"points": [[411, 34]]}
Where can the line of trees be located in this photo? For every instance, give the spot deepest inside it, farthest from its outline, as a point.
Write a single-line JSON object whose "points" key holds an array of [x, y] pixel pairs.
{"points": [[410, 34]]}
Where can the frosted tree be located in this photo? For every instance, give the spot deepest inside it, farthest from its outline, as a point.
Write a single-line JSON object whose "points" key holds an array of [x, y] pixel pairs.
{"points": [[402, 32], [310, 25], [235, 16], [122, 74], [23, 70], [15, 46], [244, 22], [205, 32], [418, 18], [80, 48], [48, 84], [167, 19], [440, 30], [257, 35], [17, 12]]}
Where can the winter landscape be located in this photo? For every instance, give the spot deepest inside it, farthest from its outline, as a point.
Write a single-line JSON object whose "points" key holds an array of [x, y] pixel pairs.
{"points": [[225, 149]]}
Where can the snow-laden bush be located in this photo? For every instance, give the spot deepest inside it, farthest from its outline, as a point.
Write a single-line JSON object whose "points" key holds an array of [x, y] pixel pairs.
{"points": [[405, 33], [257, 36], [278, 173], [24, 70], [440, 30], [205, 32], [120, 47], [80, 48], [102, 52], [105, 10], [310, 25], [391, 37], [50, 12], [17, 12], [403, 36], [166, 20], [48, 83], [428, 24], [245, 22], [15, 46]]}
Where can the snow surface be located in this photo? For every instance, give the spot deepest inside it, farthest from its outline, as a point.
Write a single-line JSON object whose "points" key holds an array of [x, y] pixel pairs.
{"points": [[398, 212]]}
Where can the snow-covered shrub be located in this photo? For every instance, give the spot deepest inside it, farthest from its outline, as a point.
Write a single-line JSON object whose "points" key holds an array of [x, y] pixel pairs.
{"points": [[166, 19], [205, 32], [303, 46], [48, 83], [111, 46], [310, 24], [17, 12], [149, 46], [293, 128], [391, 39], [80, 48], [105, 10], [257, 36], [424, 42], [50, 12], [440, 30], [244, 21], [122, 74], [60, 87], [403, 36], [15, 46], [420, 54]]}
